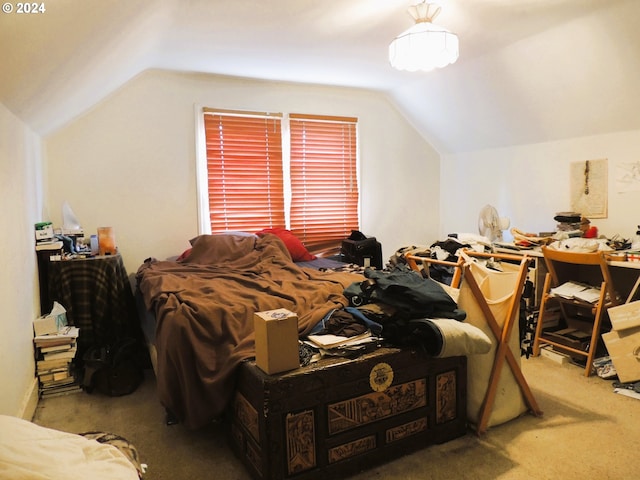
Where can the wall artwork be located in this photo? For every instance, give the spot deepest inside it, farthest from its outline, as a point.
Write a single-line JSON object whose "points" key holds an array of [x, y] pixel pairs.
{"points": [[628, 177], [589, 188]]}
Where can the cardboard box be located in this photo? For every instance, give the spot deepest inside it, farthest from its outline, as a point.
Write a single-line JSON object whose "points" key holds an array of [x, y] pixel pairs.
{"points": [[625, 316], [624, 350], [44, 231], [571, 337], [551, 354], [633, 256], [276, 340]]}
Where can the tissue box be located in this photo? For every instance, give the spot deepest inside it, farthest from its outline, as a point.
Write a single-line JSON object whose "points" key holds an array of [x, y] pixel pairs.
{"points": [[45, 325], [276, 340], [51, 323]]}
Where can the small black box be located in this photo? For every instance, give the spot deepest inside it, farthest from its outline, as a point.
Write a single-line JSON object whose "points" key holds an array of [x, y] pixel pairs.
{"points": [[362, 252]]}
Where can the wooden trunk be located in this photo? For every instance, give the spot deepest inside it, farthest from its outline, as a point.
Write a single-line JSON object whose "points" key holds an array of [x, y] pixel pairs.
{"points": [[340, 416]]}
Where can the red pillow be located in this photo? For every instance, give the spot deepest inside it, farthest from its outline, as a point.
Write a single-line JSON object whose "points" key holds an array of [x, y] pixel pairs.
{"points": [[184, 255], [295, 247]]}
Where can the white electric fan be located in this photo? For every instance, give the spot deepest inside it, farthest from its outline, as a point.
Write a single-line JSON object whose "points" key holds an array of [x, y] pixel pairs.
{"points": [[490, 224]]}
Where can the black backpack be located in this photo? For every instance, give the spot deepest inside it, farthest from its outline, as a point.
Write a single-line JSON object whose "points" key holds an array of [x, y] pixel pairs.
{"points": [[114, 370]]}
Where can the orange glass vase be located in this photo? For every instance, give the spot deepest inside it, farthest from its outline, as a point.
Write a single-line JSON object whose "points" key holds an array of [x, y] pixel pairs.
{"points": [[106, 241]]}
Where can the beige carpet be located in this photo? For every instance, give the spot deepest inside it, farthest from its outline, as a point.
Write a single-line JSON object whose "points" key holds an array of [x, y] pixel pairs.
{"points": [[586, 432]]}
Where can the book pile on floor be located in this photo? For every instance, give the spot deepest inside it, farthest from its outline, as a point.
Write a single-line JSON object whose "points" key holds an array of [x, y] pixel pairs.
{"points": [[55, 354]]}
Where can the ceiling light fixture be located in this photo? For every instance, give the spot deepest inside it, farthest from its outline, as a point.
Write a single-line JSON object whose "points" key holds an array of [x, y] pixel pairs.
{"points": [[424, 46]]}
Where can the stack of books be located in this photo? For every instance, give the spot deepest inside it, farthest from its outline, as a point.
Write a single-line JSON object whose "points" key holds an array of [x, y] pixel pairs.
{"points": [[55, 354]]}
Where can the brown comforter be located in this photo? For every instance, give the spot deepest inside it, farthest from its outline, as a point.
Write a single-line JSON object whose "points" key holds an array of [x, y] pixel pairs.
{"points": [[204, 309]]}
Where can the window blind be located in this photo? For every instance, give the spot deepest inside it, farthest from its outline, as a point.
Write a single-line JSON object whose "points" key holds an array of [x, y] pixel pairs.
{"points": [[245, 176], [324, 186]]}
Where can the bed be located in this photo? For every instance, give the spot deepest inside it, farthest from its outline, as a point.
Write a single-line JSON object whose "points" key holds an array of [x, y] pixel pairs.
{"points": [[325, 419], [198, 313]]}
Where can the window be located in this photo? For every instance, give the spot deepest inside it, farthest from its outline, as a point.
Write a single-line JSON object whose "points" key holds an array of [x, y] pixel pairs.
{"points": [[244, 171], [324, 186], [255, 161]]}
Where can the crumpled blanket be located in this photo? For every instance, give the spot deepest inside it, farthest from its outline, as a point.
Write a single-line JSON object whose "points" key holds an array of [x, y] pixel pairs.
{"points": [[32, 452], [204, 310]]}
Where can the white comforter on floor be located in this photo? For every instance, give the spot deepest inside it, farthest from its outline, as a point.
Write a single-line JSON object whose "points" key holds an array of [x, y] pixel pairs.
{"points": [[31, 452]]}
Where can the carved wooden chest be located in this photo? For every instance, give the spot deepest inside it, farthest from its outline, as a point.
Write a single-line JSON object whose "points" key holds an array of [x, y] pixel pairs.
{"points": [[341, 416]]}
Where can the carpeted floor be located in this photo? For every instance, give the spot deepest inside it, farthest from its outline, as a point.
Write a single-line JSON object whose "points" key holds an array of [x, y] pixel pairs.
{"points": [[587, 431]]}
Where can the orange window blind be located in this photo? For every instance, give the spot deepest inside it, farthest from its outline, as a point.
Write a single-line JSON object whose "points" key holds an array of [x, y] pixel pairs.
{"points": [[324, 186], [245, 173]]}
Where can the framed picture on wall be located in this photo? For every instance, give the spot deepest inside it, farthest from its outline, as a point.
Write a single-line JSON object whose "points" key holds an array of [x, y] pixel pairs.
{"points": [[589, 188], [628, 177]]}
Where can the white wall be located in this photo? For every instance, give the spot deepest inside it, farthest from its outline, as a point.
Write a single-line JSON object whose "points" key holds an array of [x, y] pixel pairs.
{"points": [[130, 162], [20, 205], [530, 184]]}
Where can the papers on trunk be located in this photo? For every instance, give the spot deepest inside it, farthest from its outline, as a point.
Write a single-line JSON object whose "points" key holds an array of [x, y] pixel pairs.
{"points": [[329, 341]]}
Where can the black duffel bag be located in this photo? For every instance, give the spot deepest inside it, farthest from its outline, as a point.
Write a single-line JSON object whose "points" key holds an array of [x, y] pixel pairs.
{"points": [[362, 250]]}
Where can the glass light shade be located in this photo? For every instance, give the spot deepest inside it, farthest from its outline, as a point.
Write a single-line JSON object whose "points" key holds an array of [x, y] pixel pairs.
{"points": [[424, 46]]}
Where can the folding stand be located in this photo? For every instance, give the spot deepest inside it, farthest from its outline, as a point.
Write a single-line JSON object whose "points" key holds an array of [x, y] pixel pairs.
{"points": [[502, 334]]}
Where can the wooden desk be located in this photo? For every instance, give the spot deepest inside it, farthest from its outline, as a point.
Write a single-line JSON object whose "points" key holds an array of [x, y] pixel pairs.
{"points": [[625, 274]]}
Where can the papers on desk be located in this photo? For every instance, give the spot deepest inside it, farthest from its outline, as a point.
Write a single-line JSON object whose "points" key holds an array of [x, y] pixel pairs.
{"points": [[510, 247], [577, 291]]}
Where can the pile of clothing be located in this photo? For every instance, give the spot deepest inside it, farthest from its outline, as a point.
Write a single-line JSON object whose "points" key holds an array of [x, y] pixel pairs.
{"points": [[406, 309]]}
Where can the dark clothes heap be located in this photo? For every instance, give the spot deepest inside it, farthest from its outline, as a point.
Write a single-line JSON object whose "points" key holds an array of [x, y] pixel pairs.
{"points": [[444, 273], [451, 246], [406, 301], [409, 292], [440, 273], [347, 322], [339, 322], [398, 306]]}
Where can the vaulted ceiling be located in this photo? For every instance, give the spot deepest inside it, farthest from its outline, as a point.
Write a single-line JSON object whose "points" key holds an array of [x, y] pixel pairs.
{"points": [[529, 70]]}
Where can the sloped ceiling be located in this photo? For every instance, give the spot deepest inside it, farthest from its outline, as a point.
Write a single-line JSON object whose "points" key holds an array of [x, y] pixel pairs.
{"points": [[529, 70]]}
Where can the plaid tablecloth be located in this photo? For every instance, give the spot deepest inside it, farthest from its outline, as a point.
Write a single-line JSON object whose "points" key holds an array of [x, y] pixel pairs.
{"points": [[98, 298]]}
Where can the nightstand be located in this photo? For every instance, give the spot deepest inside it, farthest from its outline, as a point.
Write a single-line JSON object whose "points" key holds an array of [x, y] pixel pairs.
{"points": [[98, 298]]}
